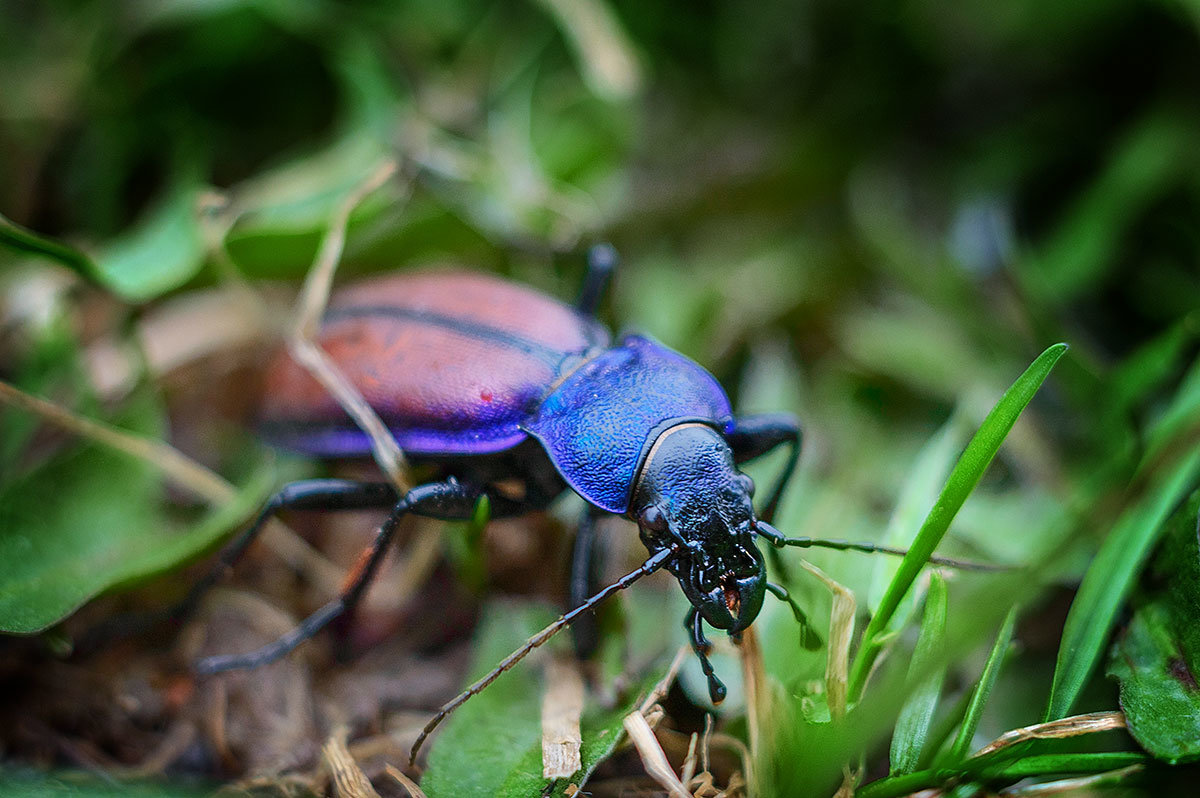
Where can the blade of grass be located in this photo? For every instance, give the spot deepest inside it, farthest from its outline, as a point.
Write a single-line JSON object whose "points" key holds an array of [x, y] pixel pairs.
{"points": [[963, 478], [1023, 768], [1168, 473], [929, 665], [14, 236], [991, 669]]}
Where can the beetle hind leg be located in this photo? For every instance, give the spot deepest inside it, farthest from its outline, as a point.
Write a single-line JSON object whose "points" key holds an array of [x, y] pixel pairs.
{"points": [[447, 500]]}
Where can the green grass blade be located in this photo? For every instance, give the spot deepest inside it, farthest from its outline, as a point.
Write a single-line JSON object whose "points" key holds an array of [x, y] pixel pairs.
{"points": [[1013, 770], [929, 665], [14, 236], [963, 478], [987, 681], [1168, 473]]}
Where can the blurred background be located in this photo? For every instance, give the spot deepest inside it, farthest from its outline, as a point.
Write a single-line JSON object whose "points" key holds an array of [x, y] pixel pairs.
{"points": [[874, 215]]}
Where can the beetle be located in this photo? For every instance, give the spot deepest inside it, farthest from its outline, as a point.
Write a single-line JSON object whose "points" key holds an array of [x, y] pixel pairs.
{"points": [[510, 394]]}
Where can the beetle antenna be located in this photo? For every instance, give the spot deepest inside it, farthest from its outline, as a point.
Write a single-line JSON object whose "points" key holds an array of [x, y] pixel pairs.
{"points": [[779, 540], [648, 567]]}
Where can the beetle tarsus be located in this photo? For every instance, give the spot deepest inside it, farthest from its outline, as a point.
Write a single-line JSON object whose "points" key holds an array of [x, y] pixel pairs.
{"points": [[694, 623]]}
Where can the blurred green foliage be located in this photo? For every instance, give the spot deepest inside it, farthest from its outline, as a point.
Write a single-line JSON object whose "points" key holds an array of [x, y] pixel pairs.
{"points": [[874, 215]]}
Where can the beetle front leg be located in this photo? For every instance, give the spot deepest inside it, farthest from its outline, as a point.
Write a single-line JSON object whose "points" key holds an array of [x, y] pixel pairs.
{"points": [[754, 436], [449, 500], [694, 624]]}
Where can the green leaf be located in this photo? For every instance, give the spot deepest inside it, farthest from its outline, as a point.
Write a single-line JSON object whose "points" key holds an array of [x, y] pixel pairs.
{"points": [[24, 240], [1168, 472], [991, 669], [927, 474], [929, 666], [30, 783], [1157, 658], [963, 478], [162, 252], [492, 744], [91, 520]]}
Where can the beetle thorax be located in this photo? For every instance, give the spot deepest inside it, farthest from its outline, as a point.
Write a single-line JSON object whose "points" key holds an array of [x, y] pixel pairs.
{"points": [[689, 495]]}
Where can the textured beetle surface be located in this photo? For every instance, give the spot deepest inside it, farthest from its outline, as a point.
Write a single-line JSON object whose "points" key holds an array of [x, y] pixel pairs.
{"points": [[454, 362], [462, 363]]}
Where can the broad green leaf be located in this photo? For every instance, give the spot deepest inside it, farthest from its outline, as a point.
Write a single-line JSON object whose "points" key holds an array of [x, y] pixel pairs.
{"points": [[91, 520], [929, 667], [1168, 472], [492, 744], [1157, 658], [29, 783], [963, 478], [979, 697], [163, 251], [14, 236]]}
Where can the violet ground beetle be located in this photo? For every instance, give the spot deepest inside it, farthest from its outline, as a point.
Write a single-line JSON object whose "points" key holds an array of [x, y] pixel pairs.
{"points": [[513, 395]]}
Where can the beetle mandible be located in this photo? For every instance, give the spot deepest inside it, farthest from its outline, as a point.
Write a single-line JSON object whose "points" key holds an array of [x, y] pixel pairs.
{"points": [[510, 394]]}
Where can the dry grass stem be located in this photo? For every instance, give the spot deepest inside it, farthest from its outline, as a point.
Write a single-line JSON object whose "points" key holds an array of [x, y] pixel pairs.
{"points": [[841, 631], [653, 758], [181, 471], [349, 781], [314, 296], [317, 284], [664, 684], [404, 781], [759, 717], [562, 708], [1073, 726]]}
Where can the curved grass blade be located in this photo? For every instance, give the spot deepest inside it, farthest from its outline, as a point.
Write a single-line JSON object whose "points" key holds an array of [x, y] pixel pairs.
{"points": [[1167, 474], [963, 478], [929, 665], [991, 669], [16, 237]]}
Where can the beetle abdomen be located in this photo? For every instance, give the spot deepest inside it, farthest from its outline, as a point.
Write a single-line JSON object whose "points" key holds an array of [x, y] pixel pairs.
{"points": [[453, 362]]}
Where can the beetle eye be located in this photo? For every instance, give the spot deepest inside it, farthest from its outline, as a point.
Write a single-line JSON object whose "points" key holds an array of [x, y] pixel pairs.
{"points": [[653, 518]]}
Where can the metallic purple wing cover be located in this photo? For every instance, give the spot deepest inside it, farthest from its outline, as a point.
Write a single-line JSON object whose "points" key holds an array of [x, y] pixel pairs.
{"points": [[598, 423], [453, 362]]}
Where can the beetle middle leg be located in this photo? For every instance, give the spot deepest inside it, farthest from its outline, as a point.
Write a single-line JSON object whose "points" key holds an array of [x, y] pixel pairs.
{"points": [[449, 500]]}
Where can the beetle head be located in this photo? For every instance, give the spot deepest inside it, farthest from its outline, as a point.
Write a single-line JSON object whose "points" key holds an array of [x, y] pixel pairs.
{"points": [[690, 496]]}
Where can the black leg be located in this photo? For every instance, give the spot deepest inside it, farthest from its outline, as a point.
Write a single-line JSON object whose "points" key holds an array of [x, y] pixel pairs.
{"points": [[584, 581], [602, 261], [448, 500], [754, 436], [809, 639], [700, 645], [308, 494]]}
